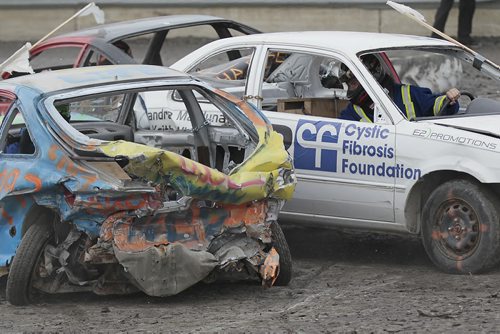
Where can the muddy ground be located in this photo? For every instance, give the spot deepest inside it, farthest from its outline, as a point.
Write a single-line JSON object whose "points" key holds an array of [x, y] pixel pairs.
{"points": [[343, 282]]}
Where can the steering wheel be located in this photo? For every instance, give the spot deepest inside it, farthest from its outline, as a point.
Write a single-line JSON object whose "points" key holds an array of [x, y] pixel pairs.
{"points": [[447, 102]]}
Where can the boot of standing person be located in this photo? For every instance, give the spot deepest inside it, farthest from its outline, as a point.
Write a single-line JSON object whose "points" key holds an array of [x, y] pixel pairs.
{"points": [[465, 16]]}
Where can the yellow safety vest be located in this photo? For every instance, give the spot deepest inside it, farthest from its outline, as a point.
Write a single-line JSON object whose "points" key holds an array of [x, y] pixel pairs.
{"points": [[406, 97], [438, 103], [410, 108], [408, 103], [361, 114]]}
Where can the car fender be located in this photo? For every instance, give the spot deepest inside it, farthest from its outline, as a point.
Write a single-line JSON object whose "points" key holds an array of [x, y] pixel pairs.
{"points": [[476, 168], [409, 201], [12, 225]]}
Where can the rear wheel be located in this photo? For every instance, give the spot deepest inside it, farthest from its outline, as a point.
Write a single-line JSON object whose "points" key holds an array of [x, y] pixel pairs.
{"points": [[281, 246], [26, 262], [460, 227]]}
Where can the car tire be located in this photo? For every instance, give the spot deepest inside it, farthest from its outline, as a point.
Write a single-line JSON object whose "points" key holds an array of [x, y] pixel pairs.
{"points": [[281, 246], [461, 227], [28, 256]]}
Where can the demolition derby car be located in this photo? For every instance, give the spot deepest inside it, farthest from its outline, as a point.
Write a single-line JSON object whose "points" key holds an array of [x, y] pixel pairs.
{"points": [[151, 40], [436, 176], [95, 198]]}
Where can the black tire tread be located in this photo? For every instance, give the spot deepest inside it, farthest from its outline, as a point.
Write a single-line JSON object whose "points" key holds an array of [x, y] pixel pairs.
{"points": [[27, 254], [281, 246]]}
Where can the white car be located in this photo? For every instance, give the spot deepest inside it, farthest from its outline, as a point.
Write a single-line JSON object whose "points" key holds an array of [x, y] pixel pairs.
{"points": [[434, 176]]}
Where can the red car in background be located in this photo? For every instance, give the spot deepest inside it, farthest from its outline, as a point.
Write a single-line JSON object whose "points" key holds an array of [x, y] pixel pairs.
{"points": [[152, 41], [5, 102]]}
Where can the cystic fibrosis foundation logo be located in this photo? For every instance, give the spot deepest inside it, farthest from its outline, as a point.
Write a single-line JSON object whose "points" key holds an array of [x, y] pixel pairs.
{"points": [[316, 144], [362, 150]]}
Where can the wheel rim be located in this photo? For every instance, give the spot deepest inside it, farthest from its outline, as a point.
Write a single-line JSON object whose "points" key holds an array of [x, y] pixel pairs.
{"points": [[457, 232]]}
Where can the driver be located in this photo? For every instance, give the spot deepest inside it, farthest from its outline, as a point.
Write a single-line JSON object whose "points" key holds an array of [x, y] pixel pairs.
{"points": [[413, 100]]}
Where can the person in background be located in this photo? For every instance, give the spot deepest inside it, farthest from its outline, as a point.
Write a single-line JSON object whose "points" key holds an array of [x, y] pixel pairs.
{"points": [[466, 13], [414, 101]]}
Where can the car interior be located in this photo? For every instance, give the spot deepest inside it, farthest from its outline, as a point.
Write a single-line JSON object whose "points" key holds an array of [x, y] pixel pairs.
{"points": [[308, 83], [292, 82], [189, 121], [16, 138]]}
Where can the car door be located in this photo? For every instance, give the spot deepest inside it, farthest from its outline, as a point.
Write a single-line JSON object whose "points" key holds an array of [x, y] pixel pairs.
{"points": [[345, 169]]}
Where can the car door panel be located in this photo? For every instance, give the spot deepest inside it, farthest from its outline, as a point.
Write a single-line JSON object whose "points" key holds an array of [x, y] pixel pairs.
{"points": [[344, 169], [336, 178]]}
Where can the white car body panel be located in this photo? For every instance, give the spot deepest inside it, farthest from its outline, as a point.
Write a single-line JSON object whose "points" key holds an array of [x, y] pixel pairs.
{"points": [[474, 124], [369, 191]]}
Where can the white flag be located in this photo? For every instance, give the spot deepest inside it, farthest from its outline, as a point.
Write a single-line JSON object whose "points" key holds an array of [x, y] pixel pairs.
{"points": [[19, 61], [94, 10], [406, 10]]}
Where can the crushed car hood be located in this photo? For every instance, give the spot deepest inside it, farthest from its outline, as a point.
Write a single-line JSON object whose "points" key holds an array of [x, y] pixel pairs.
{"points": [[261, 175], [267, 172], [484, 124]]}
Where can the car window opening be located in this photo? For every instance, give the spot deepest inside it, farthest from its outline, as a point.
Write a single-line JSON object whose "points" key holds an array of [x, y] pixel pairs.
{"points": [[18, 139], [187, 121]]}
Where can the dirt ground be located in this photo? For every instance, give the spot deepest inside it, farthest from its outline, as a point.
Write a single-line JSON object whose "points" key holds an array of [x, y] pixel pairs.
{"points": [[343, 282]]}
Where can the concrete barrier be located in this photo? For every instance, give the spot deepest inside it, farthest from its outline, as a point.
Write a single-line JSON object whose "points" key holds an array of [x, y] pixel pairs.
{"points": [[31, 22]]}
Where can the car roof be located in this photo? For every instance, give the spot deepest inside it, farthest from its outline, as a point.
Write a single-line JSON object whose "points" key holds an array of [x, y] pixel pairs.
{"points": [[346, 41], [51, 81], [112, 31]]}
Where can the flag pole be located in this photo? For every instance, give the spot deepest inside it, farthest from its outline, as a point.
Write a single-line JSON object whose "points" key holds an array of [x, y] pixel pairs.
{"points": [[62, 24], [419, 18]]}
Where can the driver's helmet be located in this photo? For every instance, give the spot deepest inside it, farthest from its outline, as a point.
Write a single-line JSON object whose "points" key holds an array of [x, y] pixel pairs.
{"points": [[373, 65], [355, 92]]}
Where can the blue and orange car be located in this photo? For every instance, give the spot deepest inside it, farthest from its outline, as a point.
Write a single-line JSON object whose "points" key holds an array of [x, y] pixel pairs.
{"points": [[94, 197]]}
